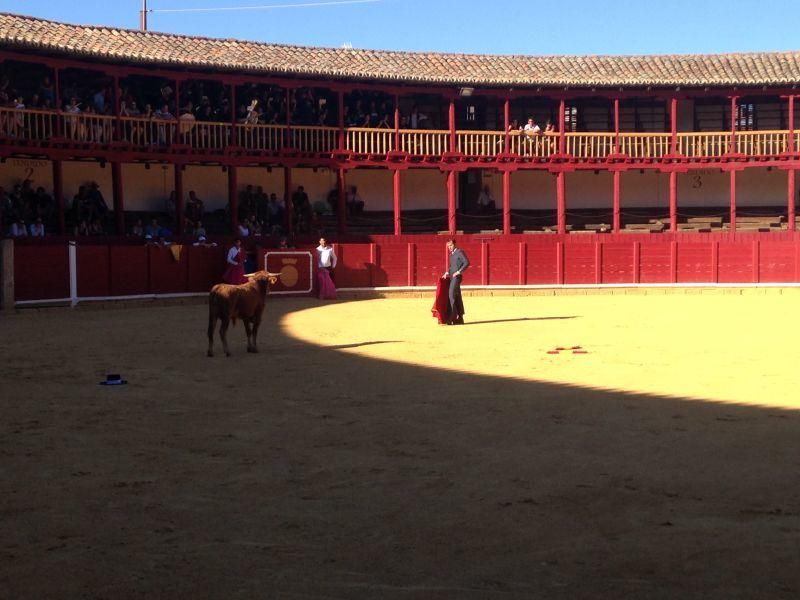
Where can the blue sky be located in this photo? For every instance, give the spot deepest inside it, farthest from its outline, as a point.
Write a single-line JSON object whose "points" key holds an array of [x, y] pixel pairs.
{"points": [[481, 26]]}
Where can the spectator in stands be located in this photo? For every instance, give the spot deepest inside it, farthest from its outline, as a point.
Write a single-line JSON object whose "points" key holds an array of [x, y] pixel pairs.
{"points": [[164, 133], [98, 204], [73, 123], [18, 229], [531, 128], [262, 205], [195, 208], [82, 228], [355, 205], [186, 122], [47, 92], [485, 201], [275, 211], [243, 229], [333, 200], [202, 241], [549, 127], [198, 231], [417, 120], [96, 228], [386, 122], [137, 229], [99, 101], [153, 229], [169, 204], [44, 203], [37, 228], [301, 204]]}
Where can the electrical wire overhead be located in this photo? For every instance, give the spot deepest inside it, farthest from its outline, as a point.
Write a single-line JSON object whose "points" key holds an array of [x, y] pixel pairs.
{"points": [[263, 6]]}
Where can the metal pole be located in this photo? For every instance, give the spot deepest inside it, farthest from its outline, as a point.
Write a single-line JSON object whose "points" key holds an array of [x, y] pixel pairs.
{"points": [[143, 16]]}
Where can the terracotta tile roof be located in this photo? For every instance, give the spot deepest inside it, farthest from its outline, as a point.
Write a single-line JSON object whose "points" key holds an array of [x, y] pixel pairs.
{"points": [[169, 50]]}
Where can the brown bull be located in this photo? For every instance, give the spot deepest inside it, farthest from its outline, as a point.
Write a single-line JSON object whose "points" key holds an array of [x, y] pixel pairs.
{"points": [[246, 302]]}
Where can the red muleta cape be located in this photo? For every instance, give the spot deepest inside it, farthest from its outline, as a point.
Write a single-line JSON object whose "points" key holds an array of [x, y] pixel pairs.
{"points": [[440, 304]]}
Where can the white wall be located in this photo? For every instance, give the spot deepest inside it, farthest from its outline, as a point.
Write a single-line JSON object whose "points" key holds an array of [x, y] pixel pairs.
{"points": [[531, 190], [648, 189], [146, 189], [376, 188]]}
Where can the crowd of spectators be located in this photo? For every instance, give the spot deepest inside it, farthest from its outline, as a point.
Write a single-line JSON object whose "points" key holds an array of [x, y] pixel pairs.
{"points": [[25, 210]]}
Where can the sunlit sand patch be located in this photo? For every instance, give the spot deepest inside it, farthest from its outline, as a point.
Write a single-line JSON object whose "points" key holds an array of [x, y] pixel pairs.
{"points": [[728, 348]]}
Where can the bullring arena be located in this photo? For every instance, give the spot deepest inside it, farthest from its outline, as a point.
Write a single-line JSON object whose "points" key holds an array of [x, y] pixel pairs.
{"points": [[367, 452], [618, 416]]}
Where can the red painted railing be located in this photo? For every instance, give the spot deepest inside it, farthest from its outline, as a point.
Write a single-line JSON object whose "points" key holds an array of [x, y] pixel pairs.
{"points": [[83, 128]]}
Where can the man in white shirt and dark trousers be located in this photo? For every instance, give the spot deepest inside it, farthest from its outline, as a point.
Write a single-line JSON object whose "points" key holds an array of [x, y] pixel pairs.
{"points": [[326, 257]]}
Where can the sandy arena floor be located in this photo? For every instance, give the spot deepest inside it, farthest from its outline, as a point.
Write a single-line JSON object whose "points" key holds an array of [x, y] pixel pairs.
{"points": [[369, 453]]}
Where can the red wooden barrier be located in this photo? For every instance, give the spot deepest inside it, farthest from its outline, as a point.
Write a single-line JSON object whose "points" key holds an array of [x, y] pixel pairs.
{"points": [[129, 271], [94, 271], [41, 270]]}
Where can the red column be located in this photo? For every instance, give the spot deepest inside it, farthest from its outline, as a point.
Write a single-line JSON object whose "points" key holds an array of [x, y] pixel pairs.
{"points": [[562, 127], [58, 107], [673, 124], [288, 206], [396, 205], [792, 145], [342, 141], [452, 124], [673, 201], [506, 123], [451, 202], [341, 207], [732, 148], [117, 122], [561, 202], [58, 195], [289, 140], [178, 170], [616, 201], [234, 139], [616, 125], [506, 202], [397, 123], [119, 198], [233, 199], [790, 199], [733, 201]]}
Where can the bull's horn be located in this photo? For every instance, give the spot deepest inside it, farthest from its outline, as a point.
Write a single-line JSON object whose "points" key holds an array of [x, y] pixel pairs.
{"points": [[249, 274], [273, 274]]}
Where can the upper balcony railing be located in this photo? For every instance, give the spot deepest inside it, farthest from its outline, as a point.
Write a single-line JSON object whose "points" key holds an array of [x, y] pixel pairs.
{"points": [[153, 134]]}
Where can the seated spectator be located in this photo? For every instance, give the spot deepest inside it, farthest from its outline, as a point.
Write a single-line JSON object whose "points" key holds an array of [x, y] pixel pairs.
{"points": [[202, 241], [549, 127], [244, 228], [169, 205], [44, 203], [96, 228], [163, 241], [137, 229], [153, 229], [18, 229], [198, 231], [194, 207], [82, 228], [355, 205], [485, 201], [386, 122], [37, 228]]}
